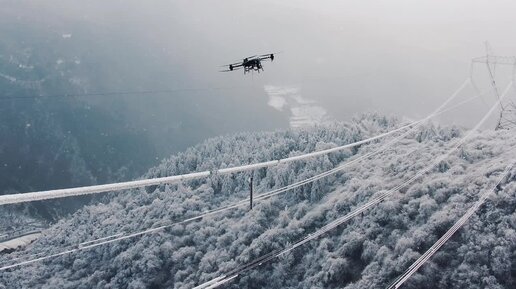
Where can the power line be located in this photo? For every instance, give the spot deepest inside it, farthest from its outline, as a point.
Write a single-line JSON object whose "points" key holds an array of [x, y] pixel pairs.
{"points": [[121, 236], [60, 193], [157, 91], [332, 225], [437, 245], [77, 191], [128, 92]]}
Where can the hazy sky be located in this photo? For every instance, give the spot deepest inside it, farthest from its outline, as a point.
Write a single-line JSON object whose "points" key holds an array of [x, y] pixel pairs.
{"points": [[397, 57]]}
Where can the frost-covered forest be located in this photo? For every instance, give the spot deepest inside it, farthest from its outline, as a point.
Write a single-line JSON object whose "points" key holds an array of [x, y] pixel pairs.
{"points": [[370, 251]]}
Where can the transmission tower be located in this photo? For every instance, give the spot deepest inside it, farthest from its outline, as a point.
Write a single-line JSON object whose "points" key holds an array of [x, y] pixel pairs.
{"points": [[507, 116]]}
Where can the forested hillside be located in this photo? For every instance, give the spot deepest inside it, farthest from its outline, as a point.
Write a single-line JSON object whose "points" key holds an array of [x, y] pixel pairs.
{"points": [[370, 251]]}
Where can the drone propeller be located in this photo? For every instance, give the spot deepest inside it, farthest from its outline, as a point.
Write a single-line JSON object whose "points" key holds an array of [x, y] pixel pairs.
{"points": [[269, 54]]}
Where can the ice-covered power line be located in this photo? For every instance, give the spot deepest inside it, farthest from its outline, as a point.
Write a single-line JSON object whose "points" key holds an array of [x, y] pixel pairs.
{"points": [[61, 193], [120, 236], [432, 250], [332, 225], [78, 191]]}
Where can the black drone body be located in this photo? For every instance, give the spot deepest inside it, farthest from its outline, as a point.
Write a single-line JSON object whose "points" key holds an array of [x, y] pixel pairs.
{"points": [[252, 63]]}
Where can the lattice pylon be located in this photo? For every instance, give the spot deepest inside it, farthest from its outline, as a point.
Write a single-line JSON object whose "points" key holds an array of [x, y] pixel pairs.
{"points": [[507, 116]]}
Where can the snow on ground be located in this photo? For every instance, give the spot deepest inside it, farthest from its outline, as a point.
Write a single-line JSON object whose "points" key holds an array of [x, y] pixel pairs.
{"points": [[303, 112]]}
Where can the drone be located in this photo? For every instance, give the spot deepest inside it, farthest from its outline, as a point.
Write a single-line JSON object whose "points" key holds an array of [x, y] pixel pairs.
{"points": [[251, 63]]}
